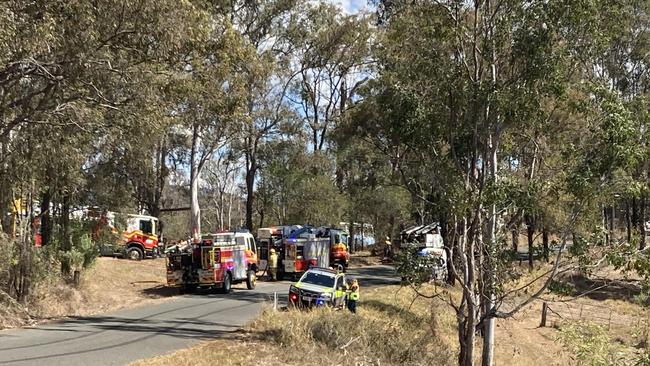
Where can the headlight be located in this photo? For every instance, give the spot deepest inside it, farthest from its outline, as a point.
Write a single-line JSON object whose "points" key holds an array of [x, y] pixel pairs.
{"points": [[326, 295]]}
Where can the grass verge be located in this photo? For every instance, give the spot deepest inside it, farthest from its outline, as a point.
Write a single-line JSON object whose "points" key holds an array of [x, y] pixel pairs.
{"points": [[110, 284], [392, 327]]}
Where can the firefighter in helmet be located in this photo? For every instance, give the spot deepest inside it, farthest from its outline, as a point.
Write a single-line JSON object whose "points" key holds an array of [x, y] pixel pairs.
{"points": [[273, 265]]}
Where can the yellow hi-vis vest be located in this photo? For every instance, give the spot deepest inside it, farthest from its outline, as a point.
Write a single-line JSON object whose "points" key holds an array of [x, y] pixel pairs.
{"points": [[354, 294]]}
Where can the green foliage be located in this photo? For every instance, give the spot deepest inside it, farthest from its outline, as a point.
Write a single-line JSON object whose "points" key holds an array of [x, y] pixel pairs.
{"points": [[561, 288], [296, 186], [591, 344], [82, 250], [626, 258], [413, 268]]}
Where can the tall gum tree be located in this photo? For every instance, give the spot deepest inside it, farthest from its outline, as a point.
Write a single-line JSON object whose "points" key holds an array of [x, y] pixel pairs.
{"points": [[476, 74]]}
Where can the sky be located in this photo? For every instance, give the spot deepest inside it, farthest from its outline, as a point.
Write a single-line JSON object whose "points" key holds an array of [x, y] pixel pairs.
{"points": [[351, 6]]}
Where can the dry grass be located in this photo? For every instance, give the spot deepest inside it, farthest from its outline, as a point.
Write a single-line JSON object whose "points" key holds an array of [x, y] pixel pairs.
{"points": [[12, 314], [393, 327], [110, 284], [384, 332]]}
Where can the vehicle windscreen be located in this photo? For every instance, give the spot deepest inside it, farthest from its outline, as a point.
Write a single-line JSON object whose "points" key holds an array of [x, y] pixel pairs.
{"points": [[319, 279]]}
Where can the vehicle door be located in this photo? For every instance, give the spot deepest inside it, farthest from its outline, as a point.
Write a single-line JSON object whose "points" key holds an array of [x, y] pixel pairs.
{"points": [[239, 258], [263, 253], [290, 257], [251, 251], [339, 290]]}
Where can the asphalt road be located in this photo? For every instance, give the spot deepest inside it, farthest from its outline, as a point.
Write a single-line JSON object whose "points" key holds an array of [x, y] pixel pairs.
{"points": [[124, 336]]}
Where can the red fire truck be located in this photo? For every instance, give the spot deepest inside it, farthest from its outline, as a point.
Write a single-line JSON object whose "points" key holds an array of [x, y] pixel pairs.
{"points": [[217, 262], [304, 252], [270, 238]]}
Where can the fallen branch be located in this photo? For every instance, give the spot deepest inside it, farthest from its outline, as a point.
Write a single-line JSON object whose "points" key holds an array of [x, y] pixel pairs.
{"points": [[349, 343]]}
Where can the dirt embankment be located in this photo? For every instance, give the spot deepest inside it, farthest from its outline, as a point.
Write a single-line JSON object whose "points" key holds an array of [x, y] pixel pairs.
{"points": [[110, 284]]}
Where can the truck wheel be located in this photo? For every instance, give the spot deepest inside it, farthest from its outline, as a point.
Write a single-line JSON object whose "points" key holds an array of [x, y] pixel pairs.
{"points": [[188, 289], [227, 284], [134, 254], [251, 280], [341, 266]]}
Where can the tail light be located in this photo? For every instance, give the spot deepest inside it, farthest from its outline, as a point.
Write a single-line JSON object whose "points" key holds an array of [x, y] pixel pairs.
{"points": [[293, 297]]}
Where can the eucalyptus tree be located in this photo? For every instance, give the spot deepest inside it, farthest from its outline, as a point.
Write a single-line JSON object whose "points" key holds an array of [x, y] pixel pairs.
{"points": [[263, 25], [66, 64], [332, 51], [465, 100], [296, 185], [70, 74]]}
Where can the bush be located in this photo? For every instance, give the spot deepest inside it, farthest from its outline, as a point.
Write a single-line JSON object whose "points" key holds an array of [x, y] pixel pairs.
{"points": [[561, 288], [380, 334], [414, 268], [591, 344]]}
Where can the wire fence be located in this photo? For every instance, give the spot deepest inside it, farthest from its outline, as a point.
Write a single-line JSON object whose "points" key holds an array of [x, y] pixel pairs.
{"points": [[556, 313]]}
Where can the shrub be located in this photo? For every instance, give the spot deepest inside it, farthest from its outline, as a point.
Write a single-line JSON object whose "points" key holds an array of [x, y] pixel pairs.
{"points": [[380, 334], [591, 344]]}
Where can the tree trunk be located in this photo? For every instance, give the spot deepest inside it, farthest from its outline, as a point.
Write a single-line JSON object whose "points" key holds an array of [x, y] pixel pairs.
{"points": [[449, 248], [230, 197], [628, 221], [250, 193], [352, 246], [469, 309], [5, 192], [363, 234], [66, 244], [530, 231], [195, 210], [161, 175], [612, 219], [606, 226], [642, 232], [489, 284], [545, 235], [46, 224], [635, 215], [515, 238]]}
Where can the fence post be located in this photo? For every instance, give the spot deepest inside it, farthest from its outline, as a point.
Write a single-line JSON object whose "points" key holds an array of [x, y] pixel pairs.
{"points": [[544, 310], [275, 301]]}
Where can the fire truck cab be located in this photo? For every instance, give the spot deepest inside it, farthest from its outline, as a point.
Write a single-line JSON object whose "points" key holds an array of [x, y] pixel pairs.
{"points": [[140, 238]]}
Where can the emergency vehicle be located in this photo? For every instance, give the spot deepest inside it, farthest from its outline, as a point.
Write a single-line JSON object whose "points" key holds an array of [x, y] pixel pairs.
{"points": [[319, 287], [217, 262], [339, 255], [269, 238], [140, 238], [304, 252]]}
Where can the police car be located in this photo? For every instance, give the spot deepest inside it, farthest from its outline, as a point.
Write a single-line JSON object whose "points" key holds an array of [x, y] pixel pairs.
{"points": [[318, 287]]}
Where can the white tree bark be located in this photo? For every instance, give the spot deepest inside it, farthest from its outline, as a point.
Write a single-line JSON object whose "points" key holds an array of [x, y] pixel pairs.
{"points": [[195, 174]]}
